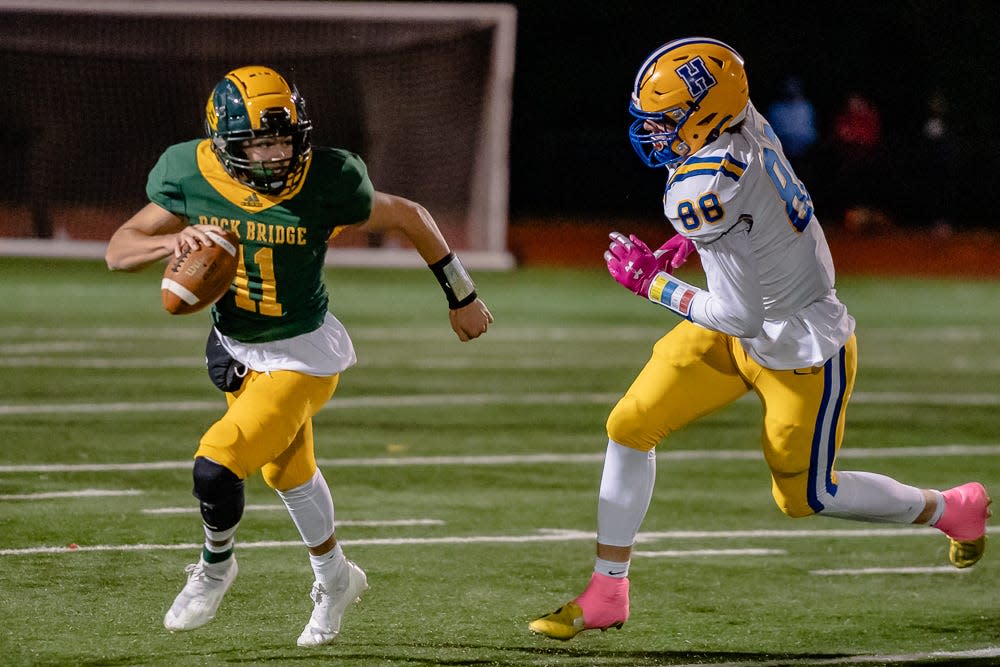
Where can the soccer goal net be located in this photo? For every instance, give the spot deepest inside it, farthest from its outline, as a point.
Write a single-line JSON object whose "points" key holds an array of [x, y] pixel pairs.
{"points": [[96, 90]]}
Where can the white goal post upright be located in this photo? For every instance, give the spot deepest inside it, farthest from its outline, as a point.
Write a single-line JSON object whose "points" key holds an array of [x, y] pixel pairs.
{"points": [[467, 153]]}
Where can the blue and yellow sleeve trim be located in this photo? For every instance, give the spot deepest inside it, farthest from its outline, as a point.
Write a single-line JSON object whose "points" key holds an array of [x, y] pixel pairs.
{"points": [[727, 165]]}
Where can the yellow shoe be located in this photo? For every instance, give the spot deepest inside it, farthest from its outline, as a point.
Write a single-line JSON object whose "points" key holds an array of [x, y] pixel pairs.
{"points": [[606, 599], [564, 623], [966, 554]]}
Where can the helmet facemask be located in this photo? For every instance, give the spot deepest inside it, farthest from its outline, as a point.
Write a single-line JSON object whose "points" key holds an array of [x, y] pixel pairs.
{"points": [[270, 176], [655, 135]]}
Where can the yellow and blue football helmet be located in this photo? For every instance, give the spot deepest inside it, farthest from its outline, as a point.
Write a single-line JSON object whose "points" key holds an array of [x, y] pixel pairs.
{"points": [[686, 93], [254, 102]]}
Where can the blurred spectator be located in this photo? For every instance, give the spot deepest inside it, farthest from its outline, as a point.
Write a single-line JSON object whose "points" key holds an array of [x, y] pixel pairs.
{"points": [[939, 155], [793, 119], [858, 158], [858, 126]]}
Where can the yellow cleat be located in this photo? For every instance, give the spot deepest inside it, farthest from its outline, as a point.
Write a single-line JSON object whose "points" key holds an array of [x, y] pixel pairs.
{"points": [[606, 600], [564, 623], [966, 554]]}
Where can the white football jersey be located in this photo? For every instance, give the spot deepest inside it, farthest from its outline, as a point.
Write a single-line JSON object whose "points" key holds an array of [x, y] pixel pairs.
{"points": [[769, 272]]}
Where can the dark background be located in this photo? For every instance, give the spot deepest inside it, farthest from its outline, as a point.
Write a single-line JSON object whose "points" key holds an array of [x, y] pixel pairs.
{"points": [[103, 98], [570, 155]]}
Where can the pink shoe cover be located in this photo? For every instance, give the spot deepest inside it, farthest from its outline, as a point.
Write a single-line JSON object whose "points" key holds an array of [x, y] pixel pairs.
{"points": [[604, 602], [965, 511]]}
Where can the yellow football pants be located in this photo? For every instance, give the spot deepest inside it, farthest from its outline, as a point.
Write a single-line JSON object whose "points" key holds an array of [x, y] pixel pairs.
{"points": [[694, 371], [268, 427]]}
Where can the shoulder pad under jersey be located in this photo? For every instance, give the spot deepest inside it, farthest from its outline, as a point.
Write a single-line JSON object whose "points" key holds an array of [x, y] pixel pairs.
{"points": [[700, 192]]}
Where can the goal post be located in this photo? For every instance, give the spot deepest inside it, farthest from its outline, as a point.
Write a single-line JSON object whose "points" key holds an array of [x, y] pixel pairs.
{"points": [[97, 89]]}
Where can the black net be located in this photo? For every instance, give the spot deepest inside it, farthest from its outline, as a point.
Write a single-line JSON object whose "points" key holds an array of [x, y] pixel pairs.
{"points": [[92, 100]]}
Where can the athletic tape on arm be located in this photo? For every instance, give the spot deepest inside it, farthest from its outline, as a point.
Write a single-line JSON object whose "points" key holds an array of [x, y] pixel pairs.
{"points": [[672, 293]]}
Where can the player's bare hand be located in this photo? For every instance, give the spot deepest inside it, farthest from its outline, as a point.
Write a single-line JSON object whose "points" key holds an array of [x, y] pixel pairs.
{"points": [[470, 321], [190, 238]]}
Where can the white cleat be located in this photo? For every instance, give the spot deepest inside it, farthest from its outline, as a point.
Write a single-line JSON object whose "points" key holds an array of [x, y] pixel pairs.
{"points": [[324, 625], [198, 601]]}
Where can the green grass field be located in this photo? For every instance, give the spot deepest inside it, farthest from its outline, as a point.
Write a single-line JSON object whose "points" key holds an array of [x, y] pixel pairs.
{"points": [[465, 478]]}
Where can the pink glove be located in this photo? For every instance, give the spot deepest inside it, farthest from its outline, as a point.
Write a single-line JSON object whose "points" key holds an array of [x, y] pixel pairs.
{"points": [[674, 252], [631, 262]]}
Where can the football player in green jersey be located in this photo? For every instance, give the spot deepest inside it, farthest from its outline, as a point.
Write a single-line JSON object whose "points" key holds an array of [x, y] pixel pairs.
{"points": [[274, 348]]}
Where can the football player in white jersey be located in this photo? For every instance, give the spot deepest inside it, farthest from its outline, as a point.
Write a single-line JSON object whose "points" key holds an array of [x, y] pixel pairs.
{"points": [[769, 322]]}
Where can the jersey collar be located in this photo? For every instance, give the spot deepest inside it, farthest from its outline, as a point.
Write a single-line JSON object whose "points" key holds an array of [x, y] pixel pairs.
{"points": [[235, 192]]}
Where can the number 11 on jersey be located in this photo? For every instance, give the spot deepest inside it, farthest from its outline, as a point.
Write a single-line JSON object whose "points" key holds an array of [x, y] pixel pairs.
{"points": [[258, 297]]}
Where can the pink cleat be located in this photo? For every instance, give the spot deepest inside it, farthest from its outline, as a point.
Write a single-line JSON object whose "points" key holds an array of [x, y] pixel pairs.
{"points": [[603, 605], [964, 522]]}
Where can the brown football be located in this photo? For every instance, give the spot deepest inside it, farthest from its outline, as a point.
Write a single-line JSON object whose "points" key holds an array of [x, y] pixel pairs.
{"points": [[199, 278]]}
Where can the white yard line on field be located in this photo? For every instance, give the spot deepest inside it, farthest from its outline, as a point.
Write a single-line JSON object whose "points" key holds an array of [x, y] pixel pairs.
{"points": [[694, 553], [424, 400], [942, 569], [358, 333], [100, 362], [929, 451], [934, 334], [967, 365], [938, 657], [365, 523], [395, 402], [450, 363], [82, 493], [542, 535]]}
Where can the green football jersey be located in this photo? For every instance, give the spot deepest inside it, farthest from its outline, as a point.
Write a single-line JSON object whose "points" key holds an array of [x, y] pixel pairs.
{"points": [[279, 290]]}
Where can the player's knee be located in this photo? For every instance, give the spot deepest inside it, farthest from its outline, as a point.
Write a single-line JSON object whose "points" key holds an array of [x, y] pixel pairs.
{"points": [[290, 475], [220, 493], [628, 424], [790, 497], [795, 510]]}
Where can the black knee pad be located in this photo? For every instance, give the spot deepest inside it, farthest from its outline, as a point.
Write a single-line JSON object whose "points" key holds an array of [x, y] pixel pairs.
{"points": [[220, 492]]}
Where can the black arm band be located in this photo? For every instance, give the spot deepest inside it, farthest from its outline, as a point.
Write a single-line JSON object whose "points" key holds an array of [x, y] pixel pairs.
{"points": [[454, 280]]}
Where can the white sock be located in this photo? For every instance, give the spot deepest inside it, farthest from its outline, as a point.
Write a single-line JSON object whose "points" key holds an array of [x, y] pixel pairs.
{"points": [[610, 568], [311, 507], [329, 566], [939, 510], [225, 536], [626, 489], [867, 496], [218, 548]]}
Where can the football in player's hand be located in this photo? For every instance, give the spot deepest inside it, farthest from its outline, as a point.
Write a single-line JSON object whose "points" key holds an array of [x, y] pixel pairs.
{"points": [[199, 278]]}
